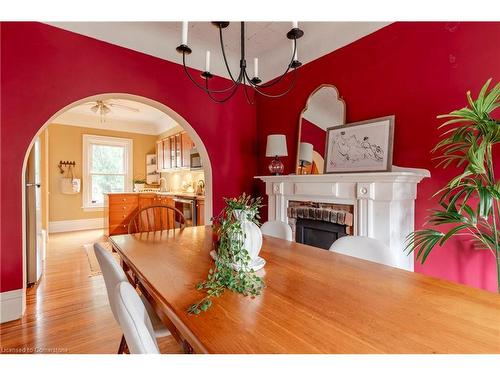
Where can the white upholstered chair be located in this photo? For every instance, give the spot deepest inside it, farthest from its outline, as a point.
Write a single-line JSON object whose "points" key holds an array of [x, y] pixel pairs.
{"points": [[277, 229], [365, 248], [134, 320], [113, 275]]}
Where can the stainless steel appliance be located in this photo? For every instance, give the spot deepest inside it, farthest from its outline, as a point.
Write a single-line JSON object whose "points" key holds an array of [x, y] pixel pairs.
{"points": [[187, 206], [34, 237], [195, 159]]}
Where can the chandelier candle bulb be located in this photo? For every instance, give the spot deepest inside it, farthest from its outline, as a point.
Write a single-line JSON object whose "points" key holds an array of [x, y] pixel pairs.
{"points": [[295, 25], [256, 67], [184, 33], [207, 62]]}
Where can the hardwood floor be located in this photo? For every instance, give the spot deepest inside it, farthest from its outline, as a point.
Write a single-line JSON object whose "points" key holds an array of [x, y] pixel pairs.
{"points": [[68, 311]]}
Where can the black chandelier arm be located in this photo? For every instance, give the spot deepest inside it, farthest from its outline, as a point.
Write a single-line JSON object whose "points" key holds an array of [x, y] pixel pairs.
{"points": [[249, 101], [224, 55], [277, 80], [292, 85], [211, 96], [235, 83]]}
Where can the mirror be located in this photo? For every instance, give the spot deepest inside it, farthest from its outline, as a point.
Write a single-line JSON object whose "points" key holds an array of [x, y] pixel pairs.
{"points": [[324, 109]]}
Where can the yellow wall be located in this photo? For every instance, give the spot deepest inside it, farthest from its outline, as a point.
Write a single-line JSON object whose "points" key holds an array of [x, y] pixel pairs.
{"points": [[65, 143]]}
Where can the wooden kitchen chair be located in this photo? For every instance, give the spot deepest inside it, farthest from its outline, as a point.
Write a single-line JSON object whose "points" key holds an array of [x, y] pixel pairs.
{"points": [[156, 217]]}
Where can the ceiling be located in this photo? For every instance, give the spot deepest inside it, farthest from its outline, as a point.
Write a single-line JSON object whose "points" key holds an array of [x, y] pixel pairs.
{"points": [[147, 120], [265, 40]]}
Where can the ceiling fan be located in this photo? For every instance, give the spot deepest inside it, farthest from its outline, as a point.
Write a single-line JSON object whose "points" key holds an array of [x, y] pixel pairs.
{"points": [[103, 107]]}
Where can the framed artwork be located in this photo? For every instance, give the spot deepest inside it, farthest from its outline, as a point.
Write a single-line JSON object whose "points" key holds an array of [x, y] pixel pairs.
{"points": [[364, 146]]}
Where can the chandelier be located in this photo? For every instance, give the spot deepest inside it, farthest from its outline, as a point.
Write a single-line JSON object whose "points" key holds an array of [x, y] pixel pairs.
{"points": [[221, 95]]}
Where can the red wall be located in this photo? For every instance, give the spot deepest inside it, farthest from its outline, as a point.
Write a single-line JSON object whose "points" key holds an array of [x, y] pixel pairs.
{"points": [[313, 134], [44, 69], [414, 71]]}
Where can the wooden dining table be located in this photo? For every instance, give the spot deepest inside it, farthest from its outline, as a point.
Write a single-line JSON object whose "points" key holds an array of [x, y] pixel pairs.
{"points": [[314, 301]]}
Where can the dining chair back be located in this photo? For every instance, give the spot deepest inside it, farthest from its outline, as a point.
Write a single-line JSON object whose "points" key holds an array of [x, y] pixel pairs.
{"points": [[277, 229], [134, 321], [365, 248], [112, 273], [156, 217]]}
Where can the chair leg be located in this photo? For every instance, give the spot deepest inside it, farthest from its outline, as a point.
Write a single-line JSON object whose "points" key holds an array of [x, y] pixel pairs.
{"points": [[186, 348], [123, 346]]}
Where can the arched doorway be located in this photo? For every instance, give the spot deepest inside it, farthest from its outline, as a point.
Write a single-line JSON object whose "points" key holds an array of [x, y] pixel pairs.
{"points": [[140, 99]]}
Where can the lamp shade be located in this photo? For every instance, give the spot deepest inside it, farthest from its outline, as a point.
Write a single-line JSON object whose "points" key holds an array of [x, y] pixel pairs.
{"points": [[276, 145], [306, 153]]}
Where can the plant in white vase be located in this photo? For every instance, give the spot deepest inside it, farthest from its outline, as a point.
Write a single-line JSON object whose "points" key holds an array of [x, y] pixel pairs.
{"points": [[238, 240]]}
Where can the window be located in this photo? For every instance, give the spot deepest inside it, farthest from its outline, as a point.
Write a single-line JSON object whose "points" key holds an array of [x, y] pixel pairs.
{"points": [[107, 167]]}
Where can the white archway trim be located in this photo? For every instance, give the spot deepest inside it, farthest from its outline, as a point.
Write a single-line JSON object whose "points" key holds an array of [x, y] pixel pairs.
{"points": [[207, 166]]}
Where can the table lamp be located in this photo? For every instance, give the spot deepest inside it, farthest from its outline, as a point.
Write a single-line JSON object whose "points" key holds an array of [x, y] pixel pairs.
{"points": [[276, 147], [305, 155]]}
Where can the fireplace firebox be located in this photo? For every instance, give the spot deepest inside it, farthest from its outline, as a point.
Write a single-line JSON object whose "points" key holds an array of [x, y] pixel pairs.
{"points": [[318, 233]]}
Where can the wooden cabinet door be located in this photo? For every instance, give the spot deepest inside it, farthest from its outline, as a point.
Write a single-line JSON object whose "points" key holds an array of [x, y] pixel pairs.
{"points": [[167, 218], [167, 164], [200, 211], [146, 200], [178, 151], [120, 209], [159, 156], [171, 153], [186, 145]]}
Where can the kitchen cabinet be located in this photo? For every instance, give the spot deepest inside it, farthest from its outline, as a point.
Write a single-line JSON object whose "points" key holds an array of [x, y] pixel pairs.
{"points": [[159, 156], [186, 147], [200, 211], [175, 152], [121, 208], [146, 200], [166, 156], [178, 151]]}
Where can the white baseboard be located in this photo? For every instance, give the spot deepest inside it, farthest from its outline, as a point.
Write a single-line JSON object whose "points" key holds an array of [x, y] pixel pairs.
{"points": [[72, 225], [11, 305]]}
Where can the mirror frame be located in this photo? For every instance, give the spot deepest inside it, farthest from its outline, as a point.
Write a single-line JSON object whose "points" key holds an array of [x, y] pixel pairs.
{"points": [[339, 98]]}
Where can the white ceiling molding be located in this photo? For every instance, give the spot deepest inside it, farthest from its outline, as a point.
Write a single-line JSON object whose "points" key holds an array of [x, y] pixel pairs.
{"points": [[265, 40], [147, 120]]}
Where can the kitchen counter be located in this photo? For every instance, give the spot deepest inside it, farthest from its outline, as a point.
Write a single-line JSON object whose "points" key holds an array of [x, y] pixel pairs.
{"points": [[163, 193], [120, 207]]}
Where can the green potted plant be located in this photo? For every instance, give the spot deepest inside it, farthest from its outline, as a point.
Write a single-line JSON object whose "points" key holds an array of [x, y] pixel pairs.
{"points": [[232, 242], [139, 184], [469, 203]]}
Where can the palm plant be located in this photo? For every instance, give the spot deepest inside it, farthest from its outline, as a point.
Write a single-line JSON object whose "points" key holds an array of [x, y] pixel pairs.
{"points": [[470, 202]]}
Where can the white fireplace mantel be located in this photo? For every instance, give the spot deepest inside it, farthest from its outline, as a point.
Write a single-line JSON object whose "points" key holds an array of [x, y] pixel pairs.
{"points": [[384, 202]]}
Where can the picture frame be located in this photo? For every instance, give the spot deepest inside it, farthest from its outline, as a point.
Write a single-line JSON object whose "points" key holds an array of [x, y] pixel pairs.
{"points": [[363, 146]]}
